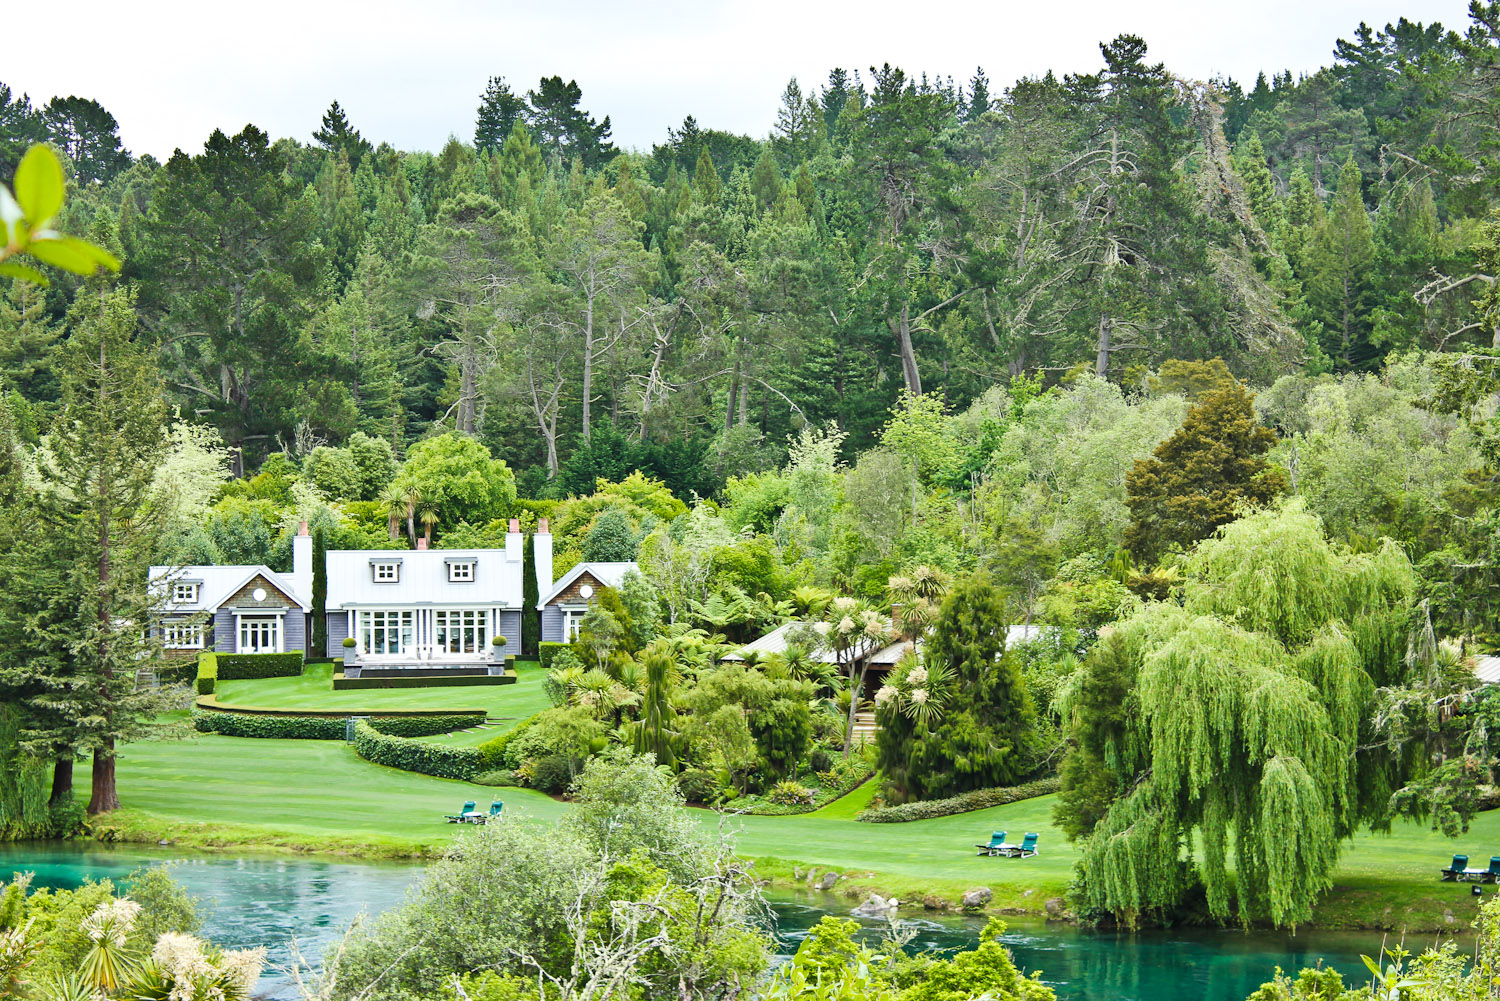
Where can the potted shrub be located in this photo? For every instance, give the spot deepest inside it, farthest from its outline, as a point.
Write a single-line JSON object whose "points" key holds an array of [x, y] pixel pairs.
{"points": [[348, 642]]}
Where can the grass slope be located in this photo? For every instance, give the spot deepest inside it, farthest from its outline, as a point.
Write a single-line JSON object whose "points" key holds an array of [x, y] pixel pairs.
{"points": [[318, 796]]}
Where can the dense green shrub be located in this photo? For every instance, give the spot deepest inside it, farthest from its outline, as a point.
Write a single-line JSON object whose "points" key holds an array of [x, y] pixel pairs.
{"points": [[789, 793], [553, 773], [977, 799], [414, 755], [424, 726], [248, 666], [208, 673], [546, 652], [698, 785], [495, 777], [820, 760], [492, 751]]}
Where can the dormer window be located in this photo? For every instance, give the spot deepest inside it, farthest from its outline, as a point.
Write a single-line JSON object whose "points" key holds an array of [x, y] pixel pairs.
{"points": [[385, 571], [461, 571], [185, 592]]}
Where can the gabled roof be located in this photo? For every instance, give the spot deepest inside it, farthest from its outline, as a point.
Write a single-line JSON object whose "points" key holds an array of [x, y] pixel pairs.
{"points": [[608, 574], [218, 584], [423, 579]]}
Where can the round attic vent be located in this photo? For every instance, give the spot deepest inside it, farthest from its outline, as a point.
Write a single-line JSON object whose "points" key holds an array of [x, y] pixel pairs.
{"points": [[587, 590], [259, 594]]}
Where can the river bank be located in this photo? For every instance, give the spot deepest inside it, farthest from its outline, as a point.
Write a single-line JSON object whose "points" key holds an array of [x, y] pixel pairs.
{"points": [[255, 898]]}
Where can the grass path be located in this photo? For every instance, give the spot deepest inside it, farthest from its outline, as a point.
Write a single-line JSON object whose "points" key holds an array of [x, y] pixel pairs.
{"points": [[318, 795]]}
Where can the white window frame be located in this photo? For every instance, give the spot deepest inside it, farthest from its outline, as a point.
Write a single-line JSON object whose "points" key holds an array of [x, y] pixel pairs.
{"points": [[385, 572], [572, 620], [461, 572], [386, 632], [259, 634], [182, 634], [460, 630], [185, 592]]}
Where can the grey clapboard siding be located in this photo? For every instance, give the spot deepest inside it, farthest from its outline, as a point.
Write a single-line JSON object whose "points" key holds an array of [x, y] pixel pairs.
{"points": [[552, 624], [294, 631], [338, 628], [510, 628], [224, 638]]}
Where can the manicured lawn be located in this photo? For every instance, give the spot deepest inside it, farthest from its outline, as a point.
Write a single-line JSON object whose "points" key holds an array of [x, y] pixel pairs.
{"points": [[318, 794], [314, 690]]}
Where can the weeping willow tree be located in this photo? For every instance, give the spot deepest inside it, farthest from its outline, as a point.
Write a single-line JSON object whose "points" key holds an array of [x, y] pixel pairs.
{"points": [[24, 781], [1217, 739]]}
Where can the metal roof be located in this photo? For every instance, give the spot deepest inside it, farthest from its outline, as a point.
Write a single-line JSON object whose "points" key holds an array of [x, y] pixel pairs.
{"points": [[608, 574], [775, 642], [424, 578], [1487, 670]]}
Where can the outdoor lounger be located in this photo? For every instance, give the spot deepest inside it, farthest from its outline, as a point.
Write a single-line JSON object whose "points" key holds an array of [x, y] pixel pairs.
{"points": [[1460, 872], [468, 815], [997, 841]]}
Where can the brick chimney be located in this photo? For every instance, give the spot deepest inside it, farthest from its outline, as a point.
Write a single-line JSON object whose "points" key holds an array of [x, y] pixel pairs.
{"points": [[421, 543]]}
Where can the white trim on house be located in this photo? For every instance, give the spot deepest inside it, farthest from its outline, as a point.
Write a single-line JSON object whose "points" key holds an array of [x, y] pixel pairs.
{"points": [[259, 631], [218, 584]]}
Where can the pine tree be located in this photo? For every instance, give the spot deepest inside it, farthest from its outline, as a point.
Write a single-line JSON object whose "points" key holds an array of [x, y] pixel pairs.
{"points": [[1199, 478], [978, 101], [336, 135], [1260, 186], [500, 109], [765, 181], [708, 190], [1339, 279], [27, 343], [97, 528]]}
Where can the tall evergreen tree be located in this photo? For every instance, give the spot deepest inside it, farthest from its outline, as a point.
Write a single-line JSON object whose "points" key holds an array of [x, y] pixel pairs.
{"points": [[28, 342], [89, 134], [98, 526], [336, 135], [500, 109], [1339, 279]]}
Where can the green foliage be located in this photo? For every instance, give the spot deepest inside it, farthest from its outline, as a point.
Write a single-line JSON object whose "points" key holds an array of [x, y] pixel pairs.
{"points": [[962, 719], [1200, 477], [977, 799], [611, 539], [243, 666], [547, 652], [782, 731], [208, 673], [454, 477], [1240, 716], [27, 217], [415, 755]]}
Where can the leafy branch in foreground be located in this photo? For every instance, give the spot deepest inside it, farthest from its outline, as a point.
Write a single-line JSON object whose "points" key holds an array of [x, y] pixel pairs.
{"points": [[28, 214]]}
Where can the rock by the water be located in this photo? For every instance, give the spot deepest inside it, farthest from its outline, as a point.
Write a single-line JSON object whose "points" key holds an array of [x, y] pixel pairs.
{"points": [[1055, 907], [934, 903], [875, 906], [796, 872], [829, 881], [978, 897]]}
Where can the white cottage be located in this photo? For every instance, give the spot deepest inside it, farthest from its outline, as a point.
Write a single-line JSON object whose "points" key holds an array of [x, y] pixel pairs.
{"points": [[434, 611], [564, 602]]}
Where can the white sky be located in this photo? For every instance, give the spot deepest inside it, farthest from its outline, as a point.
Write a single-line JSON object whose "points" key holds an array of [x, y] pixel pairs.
{"points": [[411, 74]]}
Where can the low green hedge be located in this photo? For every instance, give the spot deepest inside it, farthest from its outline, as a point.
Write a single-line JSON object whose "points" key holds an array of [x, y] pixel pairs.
{"points": [[212, 703], [342, 683], [978, 799], [253, 666], [208, 673], [233, 724], [545, 652], [415, 755], [492, 751], [271, 727]]}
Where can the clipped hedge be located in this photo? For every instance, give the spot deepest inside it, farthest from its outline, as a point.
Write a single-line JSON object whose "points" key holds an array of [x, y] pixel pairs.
{"points": [[254, 666], [271, 727], [234, 724], [415, 755], [978, 799], [546, 652], [492, 751], [208, 672]]}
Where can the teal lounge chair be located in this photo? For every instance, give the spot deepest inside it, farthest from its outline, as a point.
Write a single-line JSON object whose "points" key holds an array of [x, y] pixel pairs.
{"points": [[997, 841], [1025, 849], [1493, 872], [495, 808], [1458, 868], [465, 816]]}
